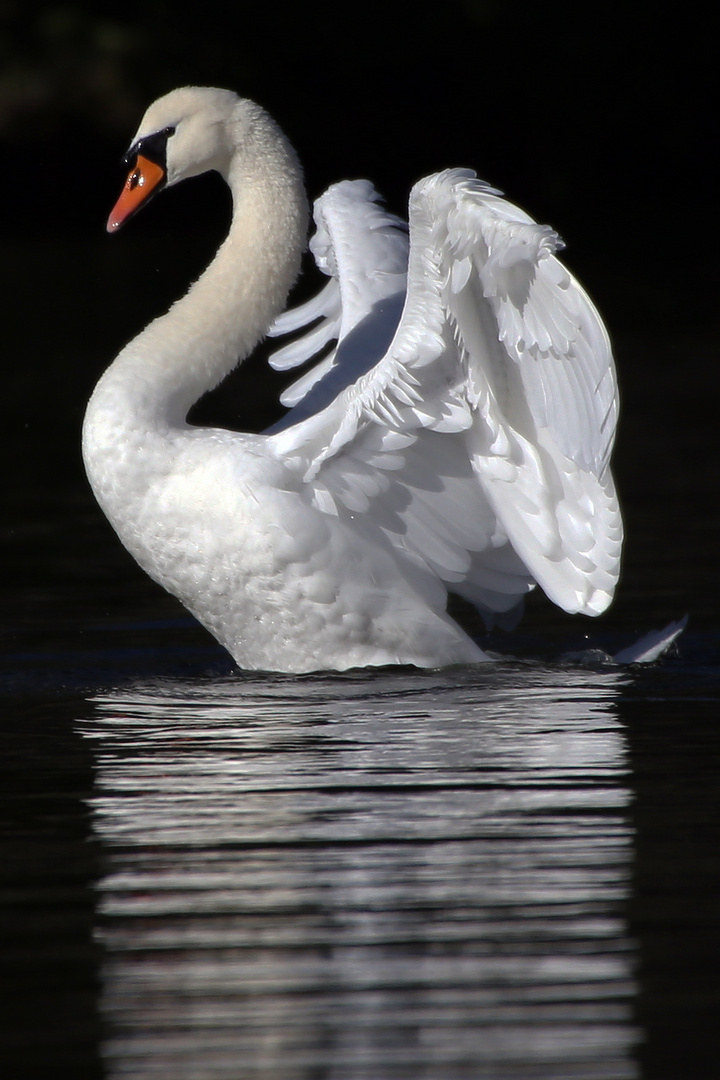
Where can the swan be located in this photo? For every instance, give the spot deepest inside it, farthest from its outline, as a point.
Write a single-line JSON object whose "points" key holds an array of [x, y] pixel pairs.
{"points": [[454, 434]]}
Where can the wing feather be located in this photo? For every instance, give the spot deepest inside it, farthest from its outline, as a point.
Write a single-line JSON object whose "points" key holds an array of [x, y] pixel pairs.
{"points": [[476, 429], [363, 249]]}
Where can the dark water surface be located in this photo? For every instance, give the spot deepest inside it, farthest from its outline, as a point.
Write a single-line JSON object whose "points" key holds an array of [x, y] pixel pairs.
{"points": [[504, 872]]}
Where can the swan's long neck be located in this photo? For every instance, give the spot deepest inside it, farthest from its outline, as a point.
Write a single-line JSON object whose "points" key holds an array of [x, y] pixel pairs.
{"points": [[165, 369]]}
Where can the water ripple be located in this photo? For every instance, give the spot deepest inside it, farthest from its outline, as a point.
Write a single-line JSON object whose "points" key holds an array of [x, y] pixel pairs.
{"points": [[365, 877]]}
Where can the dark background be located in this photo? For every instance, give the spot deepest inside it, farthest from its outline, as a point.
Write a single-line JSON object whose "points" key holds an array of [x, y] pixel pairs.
{"points": [[596, 119]]}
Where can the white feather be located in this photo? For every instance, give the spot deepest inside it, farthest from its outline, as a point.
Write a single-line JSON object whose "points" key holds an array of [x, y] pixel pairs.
{"points": [[513, 361]]}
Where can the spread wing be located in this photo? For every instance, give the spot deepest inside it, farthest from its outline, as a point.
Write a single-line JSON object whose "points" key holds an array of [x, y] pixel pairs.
{"points": [[475, 430]]}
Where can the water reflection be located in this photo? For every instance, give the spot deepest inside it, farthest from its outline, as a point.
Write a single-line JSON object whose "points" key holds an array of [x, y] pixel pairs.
{"points": [[404, 875]]}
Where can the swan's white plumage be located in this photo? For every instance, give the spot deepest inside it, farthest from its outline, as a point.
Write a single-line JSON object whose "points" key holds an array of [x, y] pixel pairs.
{"points": [[456, 435]]}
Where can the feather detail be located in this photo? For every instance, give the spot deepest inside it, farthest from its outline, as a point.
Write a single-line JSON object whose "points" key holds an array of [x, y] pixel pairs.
{"points": [[498, 354]]}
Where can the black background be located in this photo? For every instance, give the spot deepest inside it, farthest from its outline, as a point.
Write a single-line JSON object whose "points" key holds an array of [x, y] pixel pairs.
{"points": [[594, 118]]}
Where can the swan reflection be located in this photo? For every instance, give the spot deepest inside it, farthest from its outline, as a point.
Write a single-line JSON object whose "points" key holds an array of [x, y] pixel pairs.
{"points": [[398, 875]]}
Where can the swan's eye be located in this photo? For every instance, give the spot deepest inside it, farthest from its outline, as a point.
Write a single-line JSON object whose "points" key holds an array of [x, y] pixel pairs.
{"points": [[153, 147]]}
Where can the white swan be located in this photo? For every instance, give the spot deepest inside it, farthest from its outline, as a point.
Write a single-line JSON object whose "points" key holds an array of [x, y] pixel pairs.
{"points": [[457, 437]]}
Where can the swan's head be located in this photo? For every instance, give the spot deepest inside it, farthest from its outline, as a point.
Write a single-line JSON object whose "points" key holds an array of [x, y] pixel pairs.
{"points": [[184, 133]]}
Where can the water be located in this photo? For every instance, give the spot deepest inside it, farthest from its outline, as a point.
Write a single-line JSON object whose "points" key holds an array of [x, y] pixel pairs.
{"points": [[503, 872], [365, 877]]}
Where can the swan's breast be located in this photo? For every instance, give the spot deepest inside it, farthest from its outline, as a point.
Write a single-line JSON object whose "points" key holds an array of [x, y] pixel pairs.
{"points": [[233, 534]]}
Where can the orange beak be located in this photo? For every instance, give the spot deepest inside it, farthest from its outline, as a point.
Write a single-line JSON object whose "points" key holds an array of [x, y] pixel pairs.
{"points": [[143, 180]]}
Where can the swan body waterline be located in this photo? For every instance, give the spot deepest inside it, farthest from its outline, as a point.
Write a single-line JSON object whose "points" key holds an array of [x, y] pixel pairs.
{"points": [[456, 437]]}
